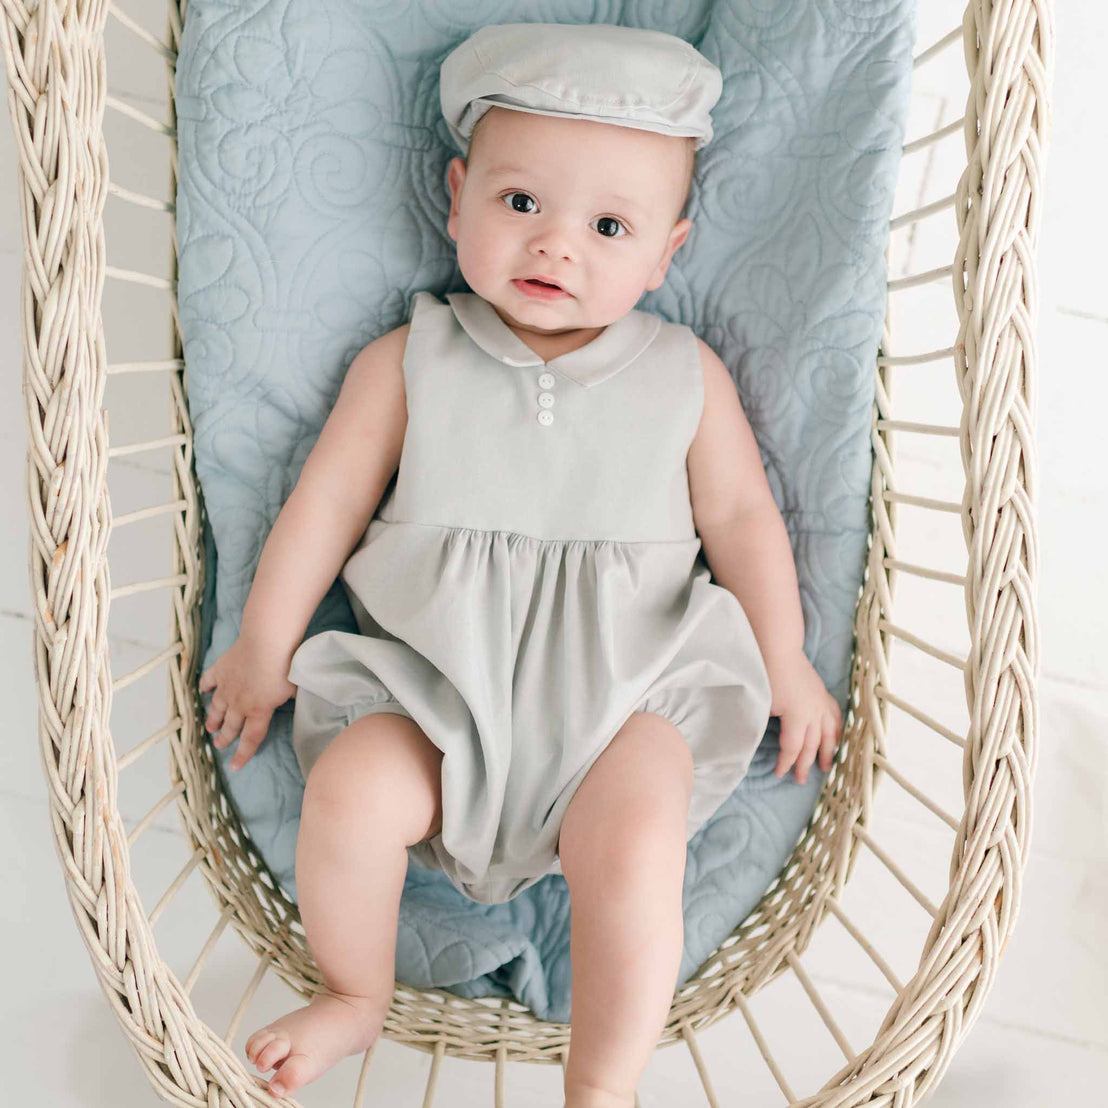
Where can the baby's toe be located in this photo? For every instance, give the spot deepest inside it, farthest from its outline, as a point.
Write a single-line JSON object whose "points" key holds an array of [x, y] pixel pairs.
{"points": [[257, 1041], [298, 1070], [273, 1053]]}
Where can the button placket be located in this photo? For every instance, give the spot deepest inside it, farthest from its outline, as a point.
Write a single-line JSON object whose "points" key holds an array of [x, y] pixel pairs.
{"points": [[546, 399]]}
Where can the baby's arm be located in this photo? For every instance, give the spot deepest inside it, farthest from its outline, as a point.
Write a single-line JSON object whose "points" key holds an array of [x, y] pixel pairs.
{"points": [[336, 494], [748, 550]]}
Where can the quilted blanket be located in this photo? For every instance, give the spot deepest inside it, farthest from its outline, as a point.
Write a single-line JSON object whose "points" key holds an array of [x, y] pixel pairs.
{"points": [[312, 203]]}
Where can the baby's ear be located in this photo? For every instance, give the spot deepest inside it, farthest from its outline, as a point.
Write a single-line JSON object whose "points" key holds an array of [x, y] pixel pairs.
{"points": [[455, 178], [679, 233], [677, 236]]}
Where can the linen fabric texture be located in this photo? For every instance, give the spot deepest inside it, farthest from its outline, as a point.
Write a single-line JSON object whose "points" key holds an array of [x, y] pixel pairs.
{"points": [[530, 579]]}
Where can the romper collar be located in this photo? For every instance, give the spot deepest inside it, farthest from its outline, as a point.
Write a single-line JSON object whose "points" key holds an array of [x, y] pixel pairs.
{"points": [[615, 348]]}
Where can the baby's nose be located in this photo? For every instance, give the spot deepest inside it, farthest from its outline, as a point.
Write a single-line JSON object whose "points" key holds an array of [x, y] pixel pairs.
{"points": [[555, 253], [554, 242]]}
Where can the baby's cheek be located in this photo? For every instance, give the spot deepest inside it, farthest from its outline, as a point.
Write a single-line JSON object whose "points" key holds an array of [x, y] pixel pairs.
{"points": [[618, 290], [469, 254], [477, 258]]}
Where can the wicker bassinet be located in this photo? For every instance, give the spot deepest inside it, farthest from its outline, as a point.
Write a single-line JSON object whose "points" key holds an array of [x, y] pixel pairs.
{"points": [[55, 61]]}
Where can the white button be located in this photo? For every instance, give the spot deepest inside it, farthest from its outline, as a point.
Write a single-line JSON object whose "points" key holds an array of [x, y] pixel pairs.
{"points": [[546, 418], [546, 380], [546, 399]]}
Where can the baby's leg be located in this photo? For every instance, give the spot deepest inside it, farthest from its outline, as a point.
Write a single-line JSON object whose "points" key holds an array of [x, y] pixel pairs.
{"points": [[374, 791], [622, 847]]}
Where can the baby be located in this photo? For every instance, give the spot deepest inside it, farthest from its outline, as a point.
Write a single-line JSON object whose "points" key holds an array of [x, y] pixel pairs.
{"points": [[546, 679]]}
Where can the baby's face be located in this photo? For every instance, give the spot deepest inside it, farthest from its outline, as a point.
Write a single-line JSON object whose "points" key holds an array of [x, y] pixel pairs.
{"points": [[591, 206]]}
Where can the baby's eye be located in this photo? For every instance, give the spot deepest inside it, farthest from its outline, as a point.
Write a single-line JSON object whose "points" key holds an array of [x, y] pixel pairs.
{"points": [[606, 220], [511, 198]]}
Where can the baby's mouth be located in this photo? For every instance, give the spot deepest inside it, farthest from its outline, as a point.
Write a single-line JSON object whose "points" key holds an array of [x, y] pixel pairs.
{"points": [[538, 289]]}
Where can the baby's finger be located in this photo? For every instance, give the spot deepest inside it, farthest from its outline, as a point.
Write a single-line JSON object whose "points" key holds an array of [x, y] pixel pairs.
{"points": [[206, 681], [828, 742], [232, 725], [792, 739], [215, 714], [808, 753], [249, 741]]}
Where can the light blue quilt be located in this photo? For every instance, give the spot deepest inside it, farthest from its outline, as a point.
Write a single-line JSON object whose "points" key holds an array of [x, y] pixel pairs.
{"points": [[312, 204]]}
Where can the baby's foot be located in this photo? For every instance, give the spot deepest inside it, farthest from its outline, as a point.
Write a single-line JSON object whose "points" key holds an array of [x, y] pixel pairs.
{"points": [[310, 1040]]}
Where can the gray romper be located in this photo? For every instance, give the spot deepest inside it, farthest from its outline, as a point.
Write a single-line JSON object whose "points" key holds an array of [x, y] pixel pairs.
{"points": [[531, 578]]}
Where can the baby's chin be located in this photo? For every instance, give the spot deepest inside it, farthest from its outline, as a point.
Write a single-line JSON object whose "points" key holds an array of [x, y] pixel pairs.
{"points": [[557, 320]]}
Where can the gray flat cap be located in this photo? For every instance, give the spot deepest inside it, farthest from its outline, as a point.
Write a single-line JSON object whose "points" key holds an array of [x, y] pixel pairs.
{"points": [[627, 76]]}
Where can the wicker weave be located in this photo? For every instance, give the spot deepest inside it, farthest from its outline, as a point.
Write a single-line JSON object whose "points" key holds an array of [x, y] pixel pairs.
{"points": [[56, 69]]}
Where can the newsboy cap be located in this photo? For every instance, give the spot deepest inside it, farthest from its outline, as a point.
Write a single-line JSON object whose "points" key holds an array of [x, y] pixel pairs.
{"points": [[627, 76]]}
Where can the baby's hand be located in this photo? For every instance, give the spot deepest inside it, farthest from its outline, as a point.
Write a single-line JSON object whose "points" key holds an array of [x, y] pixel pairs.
{"points": [[249, 682], [811, 719]]}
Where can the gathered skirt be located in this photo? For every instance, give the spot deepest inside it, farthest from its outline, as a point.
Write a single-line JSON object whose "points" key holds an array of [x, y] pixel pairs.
{"points": [[520, 659]]}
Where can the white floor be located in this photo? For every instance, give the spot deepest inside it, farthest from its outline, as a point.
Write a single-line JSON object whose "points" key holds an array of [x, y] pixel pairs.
{"points": [[1043, 1035]]}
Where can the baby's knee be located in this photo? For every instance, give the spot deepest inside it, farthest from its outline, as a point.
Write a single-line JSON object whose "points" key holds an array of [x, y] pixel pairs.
{"points": [[641, 853], [381, 772]]}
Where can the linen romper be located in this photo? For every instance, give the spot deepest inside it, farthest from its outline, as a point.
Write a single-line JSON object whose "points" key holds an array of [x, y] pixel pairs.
{"points": [[532, 577]]}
